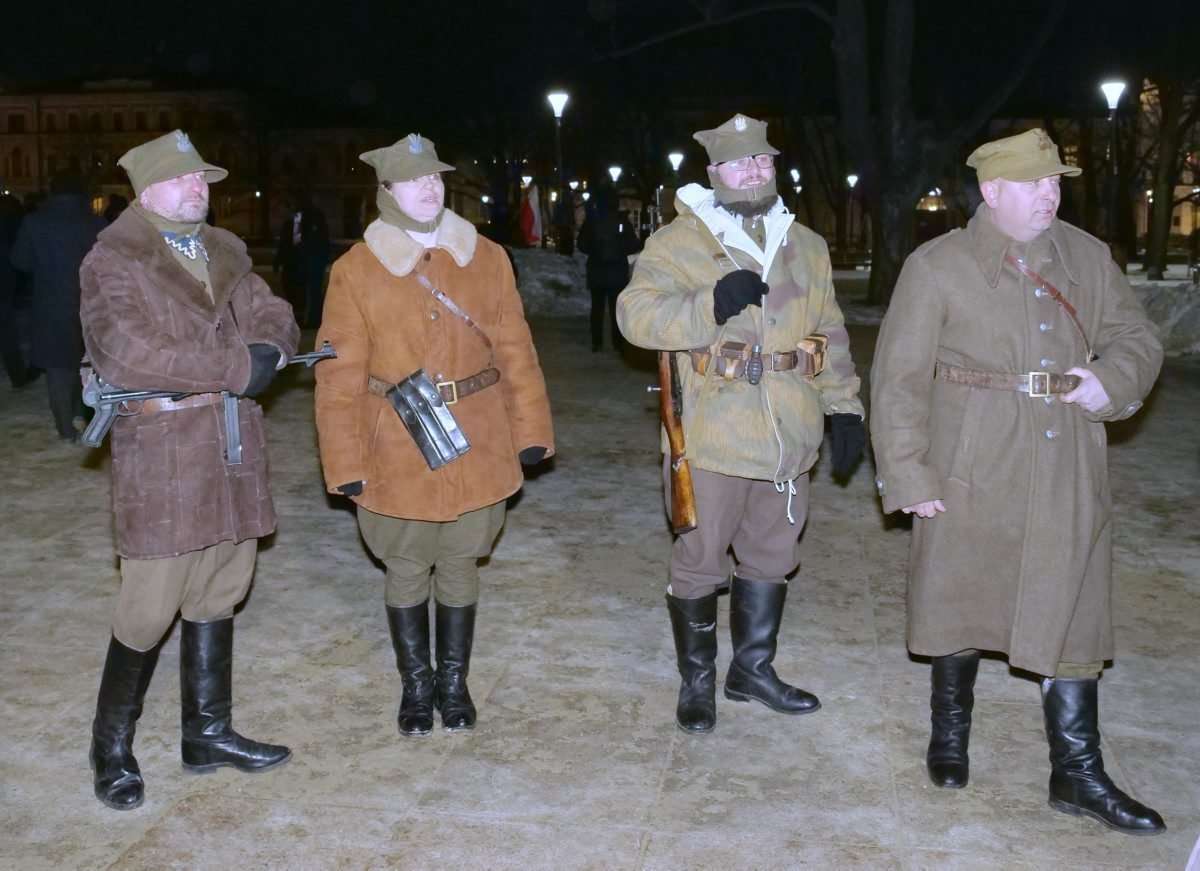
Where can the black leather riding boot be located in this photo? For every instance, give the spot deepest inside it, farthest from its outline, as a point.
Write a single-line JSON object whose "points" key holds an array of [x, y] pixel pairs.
{"points": [[950, 704], [206, 693], [694, 625], [455, 633], [1078, 784], [117, 778], [410, 639], [755, 612]]}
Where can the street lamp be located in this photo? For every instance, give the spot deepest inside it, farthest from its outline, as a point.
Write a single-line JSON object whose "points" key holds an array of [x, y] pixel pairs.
{"points": [[525, 180], [1112, 96], [675, 158], [573, 185], [851, 181], [796, 176], [558, 102], [615, 172], [586, 196]]}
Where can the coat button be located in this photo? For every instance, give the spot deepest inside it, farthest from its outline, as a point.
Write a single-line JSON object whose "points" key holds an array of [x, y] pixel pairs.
{"points": [[433, 316], [1045, 327], [1052, 434], [771, 322], [1133, 406], [880, 486], [1046, 362], [1049, 400], [427, 257], [1039, 292]]}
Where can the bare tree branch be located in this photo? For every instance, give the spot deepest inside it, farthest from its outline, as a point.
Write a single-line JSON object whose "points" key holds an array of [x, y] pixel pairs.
{"points": [[815, 9]]}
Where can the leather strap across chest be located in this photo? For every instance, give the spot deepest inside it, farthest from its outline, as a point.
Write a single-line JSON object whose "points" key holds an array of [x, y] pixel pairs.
{"points": [[1057, 296], [459, 313]]}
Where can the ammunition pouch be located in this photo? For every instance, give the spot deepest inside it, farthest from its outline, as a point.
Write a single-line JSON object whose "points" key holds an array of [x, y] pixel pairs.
{"points": [[427, 417]]}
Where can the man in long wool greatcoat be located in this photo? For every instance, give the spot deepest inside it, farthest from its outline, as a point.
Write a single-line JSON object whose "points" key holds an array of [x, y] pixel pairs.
{"points": [[1006, 348]]}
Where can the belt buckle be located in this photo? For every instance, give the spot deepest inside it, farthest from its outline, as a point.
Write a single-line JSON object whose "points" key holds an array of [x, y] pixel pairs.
{"points": [[1034, 393], [453, 385]]}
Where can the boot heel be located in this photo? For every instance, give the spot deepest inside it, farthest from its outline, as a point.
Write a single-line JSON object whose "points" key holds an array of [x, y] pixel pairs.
{"points": [[736, 696]]}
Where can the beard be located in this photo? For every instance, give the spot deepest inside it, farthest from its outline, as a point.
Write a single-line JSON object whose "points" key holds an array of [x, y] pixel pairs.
{"points": [[752, 208], [191, 212]]}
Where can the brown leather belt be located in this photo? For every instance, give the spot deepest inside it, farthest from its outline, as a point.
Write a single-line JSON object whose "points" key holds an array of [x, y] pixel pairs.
{"points": [[732, 357], [196, 400], [451, 391], [1036, 384]]}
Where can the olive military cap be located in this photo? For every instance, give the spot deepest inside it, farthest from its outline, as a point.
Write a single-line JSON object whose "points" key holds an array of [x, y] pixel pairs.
{"points": [[1027, 156], [411, 157], [169, 156], [740, 136]]}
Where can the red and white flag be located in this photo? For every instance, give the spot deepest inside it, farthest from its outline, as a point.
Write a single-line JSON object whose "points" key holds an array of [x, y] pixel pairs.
{"points": [[531, 216]]}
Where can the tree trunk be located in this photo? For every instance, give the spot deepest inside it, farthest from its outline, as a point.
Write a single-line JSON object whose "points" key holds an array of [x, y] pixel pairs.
{"points": [[893, 212], [1170, 96]]}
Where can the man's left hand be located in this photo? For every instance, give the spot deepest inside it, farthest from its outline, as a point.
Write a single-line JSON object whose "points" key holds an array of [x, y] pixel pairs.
{"points": [[849, 440], [1090, 394]]}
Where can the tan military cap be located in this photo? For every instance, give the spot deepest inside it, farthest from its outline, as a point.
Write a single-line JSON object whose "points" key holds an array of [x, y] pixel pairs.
{"points": [[409, 158], [169, 156], [740, 136], [1027, 156]]}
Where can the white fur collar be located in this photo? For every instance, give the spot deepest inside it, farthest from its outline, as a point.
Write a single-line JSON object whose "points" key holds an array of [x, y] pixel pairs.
{"points": [[728, 230], [399, 252]]}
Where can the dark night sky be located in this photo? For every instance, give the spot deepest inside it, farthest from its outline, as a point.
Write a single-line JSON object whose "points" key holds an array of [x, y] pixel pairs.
{"points": [[386, 61]]}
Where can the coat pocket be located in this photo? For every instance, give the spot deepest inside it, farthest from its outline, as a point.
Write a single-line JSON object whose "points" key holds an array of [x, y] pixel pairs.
{"points": [[968, 438]]}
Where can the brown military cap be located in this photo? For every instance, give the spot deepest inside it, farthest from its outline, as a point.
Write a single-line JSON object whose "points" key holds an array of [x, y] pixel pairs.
{"points": [[169, 156], [740, 136], [1027, 156], [409, 158]]}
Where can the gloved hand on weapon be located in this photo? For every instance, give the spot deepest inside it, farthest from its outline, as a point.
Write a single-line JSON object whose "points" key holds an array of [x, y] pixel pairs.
{"points": [[264, 362], [354, 488], [849, 440], [734, 292], [531, 456]]}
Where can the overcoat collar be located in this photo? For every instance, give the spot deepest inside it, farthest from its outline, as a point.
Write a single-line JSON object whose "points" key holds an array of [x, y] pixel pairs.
{"points": [[726, 229], [135, 238], [399, 252], [991, 246]]}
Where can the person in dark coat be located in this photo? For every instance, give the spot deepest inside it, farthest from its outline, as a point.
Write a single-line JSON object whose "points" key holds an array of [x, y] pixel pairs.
{"points": [[607, 240], [303, 254], [10, 343], [116, 205], [50, 246]]}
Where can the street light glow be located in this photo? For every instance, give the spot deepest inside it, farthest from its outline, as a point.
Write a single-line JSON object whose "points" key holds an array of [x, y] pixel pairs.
{"points": [[615, 172], [558, 102], [258, 195], [554, 196], [676, 159], [526, 179], [573, 185], [586, 196], [1112, 93], [852, 180], [795, 176], [485, 199]]}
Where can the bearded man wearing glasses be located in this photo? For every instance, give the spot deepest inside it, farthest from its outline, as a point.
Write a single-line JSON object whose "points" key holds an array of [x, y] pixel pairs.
{"points": [[742, 297]]}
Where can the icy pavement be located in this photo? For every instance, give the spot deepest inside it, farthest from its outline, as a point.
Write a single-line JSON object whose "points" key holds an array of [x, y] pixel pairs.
{"points": [[576, 762]]}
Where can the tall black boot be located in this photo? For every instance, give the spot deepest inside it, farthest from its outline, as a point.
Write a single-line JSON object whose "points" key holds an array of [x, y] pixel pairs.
{"points": [[117, 778], [950, 704], [455, 632], [1078, 784], [755, 612], [410, 639], [694, 625], [206, 691]]}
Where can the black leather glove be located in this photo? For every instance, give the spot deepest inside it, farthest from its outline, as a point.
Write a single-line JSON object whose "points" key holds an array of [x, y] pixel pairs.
{"points": [[734, 292], [532, 456], [263, 360], [354, 488], [849, 440]]}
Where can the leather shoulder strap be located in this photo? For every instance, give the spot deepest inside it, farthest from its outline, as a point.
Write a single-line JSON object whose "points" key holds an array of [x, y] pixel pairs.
{"points": [[458, 312], [1057, 296]]}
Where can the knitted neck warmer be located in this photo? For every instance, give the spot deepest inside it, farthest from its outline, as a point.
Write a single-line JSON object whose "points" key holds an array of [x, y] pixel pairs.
{"points": [[391, 213]]}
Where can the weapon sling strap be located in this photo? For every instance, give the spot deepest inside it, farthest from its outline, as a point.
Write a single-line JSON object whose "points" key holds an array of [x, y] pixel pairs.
{"points": [[1057, 296], [459, 313]]}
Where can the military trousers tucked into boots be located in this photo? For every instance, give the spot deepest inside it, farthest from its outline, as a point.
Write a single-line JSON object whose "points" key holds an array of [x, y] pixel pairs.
{"points": [[452, 549], [748, 515], [204, 585]]}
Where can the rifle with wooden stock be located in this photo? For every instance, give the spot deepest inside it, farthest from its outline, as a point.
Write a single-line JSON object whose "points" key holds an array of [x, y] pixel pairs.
{"points": [[670, 406]]}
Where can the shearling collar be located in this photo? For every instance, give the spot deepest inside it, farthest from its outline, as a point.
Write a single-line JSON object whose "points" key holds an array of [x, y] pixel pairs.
{"points": [[136, 239], [991, 246], [399, 252], [727, 229]]}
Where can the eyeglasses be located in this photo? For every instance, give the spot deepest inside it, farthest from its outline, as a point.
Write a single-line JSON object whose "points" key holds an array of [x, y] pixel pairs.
{"points": [[763, 160]]}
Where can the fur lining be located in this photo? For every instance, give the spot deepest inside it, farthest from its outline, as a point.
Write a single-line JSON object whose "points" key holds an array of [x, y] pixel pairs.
{"points": [[399, 252]]}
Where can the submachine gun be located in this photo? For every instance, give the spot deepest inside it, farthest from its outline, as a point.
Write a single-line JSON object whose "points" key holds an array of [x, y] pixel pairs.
{"points": [[110, 402], [670, 408]]}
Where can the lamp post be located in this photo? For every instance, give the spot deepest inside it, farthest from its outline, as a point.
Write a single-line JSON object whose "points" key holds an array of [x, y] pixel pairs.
{"points": [[614, 172], [1112, 96], [675, 158], [851, 181], [558, 102]]}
